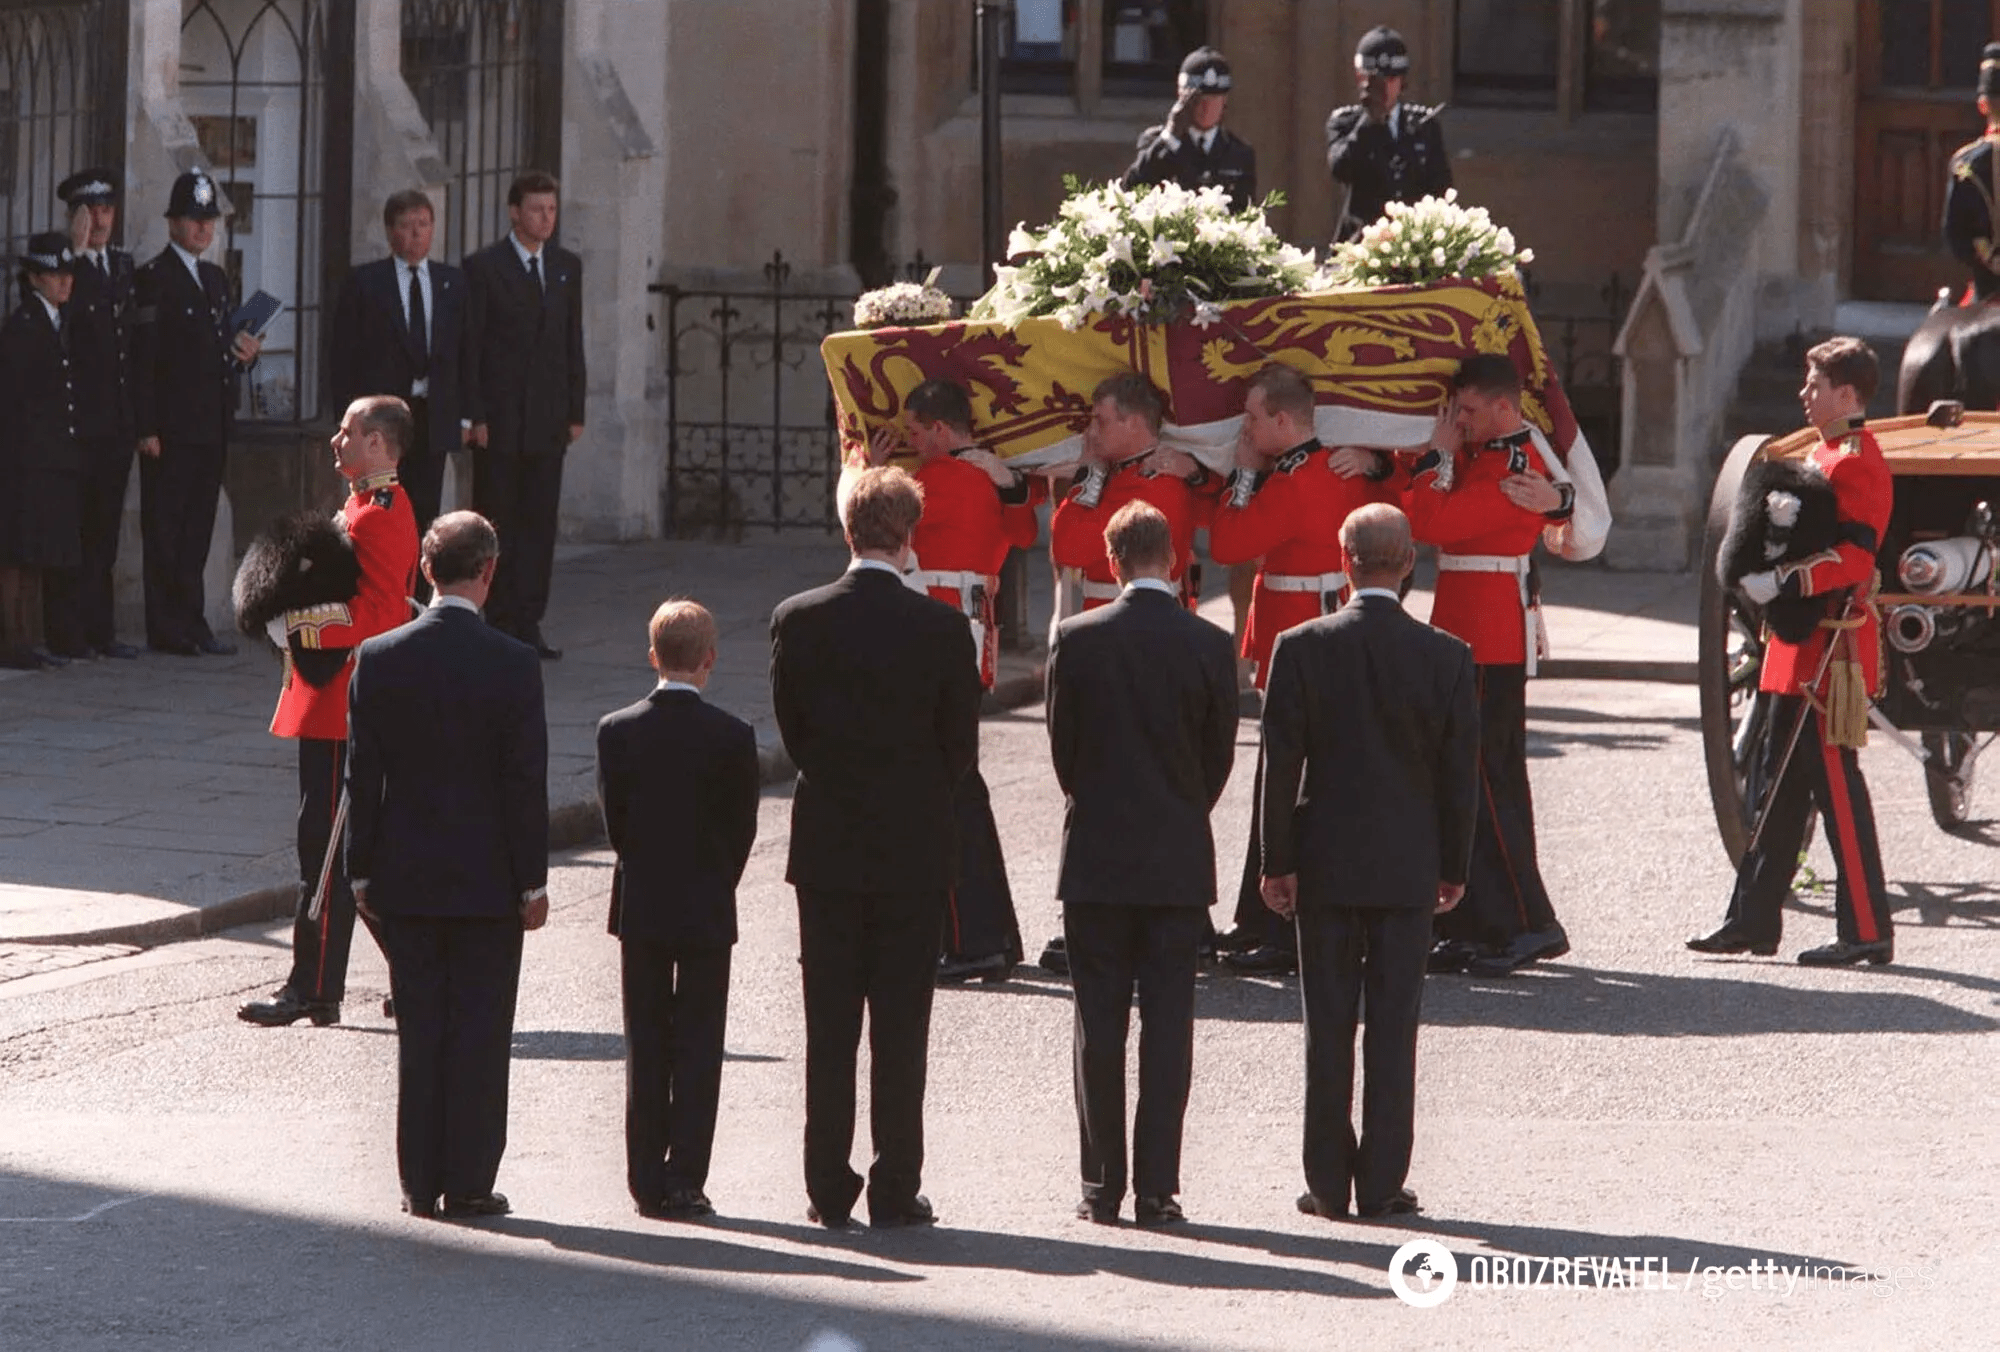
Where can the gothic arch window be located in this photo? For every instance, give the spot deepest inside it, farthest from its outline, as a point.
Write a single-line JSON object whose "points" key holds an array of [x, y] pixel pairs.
{"points": [[60, 108], [253, 81], [486, 75]]}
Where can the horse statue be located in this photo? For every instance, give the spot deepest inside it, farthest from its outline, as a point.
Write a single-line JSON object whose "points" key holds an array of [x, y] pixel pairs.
{"points": [[1954, 354]]}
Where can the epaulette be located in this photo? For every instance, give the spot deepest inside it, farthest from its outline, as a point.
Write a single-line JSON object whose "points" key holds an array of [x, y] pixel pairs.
{"points": [[1346, 112], [1414, 113], [1293, 458], [1962, 158]]}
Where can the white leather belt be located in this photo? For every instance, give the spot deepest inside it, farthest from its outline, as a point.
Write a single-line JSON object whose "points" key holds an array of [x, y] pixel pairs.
{"points": [[1100, 591], [1534, 637], [1322, 583], [961, 582]]}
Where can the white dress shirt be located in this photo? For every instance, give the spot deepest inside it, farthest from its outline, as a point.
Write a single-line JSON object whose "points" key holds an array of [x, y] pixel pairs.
{"points": [[677, 685], [1153, 584], [443, 599], [193, 263], [55, 314], [1385, 593], [859, 565], [420, 388], [524, 253]]}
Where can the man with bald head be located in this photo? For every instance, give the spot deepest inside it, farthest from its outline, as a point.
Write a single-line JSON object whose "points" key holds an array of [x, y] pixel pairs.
{"points": [[1371, 743]]}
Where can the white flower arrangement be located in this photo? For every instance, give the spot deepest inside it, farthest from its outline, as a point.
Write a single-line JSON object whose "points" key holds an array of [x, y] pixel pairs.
{"points": [[1422, 242], [903, 304], [1155, 253]]}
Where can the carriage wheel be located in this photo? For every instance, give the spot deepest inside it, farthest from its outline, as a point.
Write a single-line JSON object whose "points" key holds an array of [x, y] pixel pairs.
{"points": [[1948, 762], [1730, 656]]}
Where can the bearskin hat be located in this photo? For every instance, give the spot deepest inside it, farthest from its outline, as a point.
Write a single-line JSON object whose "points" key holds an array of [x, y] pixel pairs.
{"points": [[1785, 511], [302, 560]]}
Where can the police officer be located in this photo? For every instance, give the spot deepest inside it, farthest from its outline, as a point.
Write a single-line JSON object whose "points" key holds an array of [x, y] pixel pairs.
{"points": [[1975, 182], [38, 451], [185, 369], [1193, 148], [1382, 149], [98, 321]]}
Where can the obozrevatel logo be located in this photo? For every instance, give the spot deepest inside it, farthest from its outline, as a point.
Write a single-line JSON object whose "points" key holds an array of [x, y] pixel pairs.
{"points": [[1423, 1273]]}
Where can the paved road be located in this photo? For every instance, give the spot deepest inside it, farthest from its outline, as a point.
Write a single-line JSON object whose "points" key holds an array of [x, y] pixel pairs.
{"points": [[170, 1178]]}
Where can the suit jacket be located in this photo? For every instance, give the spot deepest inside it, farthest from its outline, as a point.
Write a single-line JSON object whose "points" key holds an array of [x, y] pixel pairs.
{"points": [[373, 352], [876, 690], [1142, 727], [447, 771], [37, 402], [1371, 749], [677, 779], [523, 373], [183, 376], [99, 317]]}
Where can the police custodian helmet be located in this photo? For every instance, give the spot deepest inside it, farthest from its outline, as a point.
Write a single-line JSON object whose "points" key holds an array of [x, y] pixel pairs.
{"points": [[1204, 71], [1382, 51], [194, 197]]}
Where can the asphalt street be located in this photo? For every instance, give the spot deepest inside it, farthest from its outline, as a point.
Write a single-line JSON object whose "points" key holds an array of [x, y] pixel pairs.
{"points": [[171, 1178]]}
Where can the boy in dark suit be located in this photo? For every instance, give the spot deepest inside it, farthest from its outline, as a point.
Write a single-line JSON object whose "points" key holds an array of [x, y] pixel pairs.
{"points": [[677, 779]]}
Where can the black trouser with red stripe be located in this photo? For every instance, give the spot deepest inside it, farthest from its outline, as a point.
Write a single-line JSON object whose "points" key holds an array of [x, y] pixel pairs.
{"points": [[319, 947], [980, 920], [1832, 776], [1504, 895]]}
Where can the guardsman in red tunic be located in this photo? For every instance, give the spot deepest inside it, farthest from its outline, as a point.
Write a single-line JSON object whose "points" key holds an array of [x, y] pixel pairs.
{"points": [[1818, 691], [1482, 495], [1123, 460], [975, 510], [312, 706], [1284, 505]]}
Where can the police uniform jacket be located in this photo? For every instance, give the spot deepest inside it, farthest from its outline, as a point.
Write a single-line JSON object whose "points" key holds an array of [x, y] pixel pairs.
{"points": [[183, 376], [1400, 160], [1292, 522], [1864, 492], [1969, 212], [523, 375], [1473, 517], [1076, 529], [1228, 163], [37, 401], [99, 318], [378, 519]]}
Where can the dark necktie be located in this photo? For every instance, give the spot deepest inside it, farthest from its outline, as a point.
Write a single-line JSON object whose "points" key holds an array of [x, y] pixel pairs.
{"points": [[535, 270], [419, 330]]}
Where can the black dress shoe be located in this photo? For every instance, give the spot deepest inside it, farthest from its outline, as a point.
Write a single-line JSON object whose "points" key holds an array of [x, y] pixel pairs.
{"points": [[1150, 1211], [173, 647], [543, 649], [842, 1220], [124, 652], [288, 1007], [1239, 940], [916, 1211], [1404, 1203], [1524, 948], [1840, 953], [1312, 1204], [83, 653], [48, 659], [423, 1208], [1097, 1212], [467, 1208], [1055, 957], [216, 647], [1730, 939], [681, 1204], [1263, 960], [994, 967], [1449, 957]]}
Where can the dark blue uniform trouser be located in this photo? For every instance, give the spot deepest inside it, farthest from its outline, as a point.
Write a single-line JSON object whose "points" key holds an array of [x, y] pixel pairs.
{"points": [[177, 497]]}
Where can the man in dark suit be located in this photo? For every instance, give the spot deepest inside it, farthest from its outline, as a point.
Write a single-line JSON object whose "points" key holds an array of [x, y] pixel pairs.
{"points": [[185, 368], [524, 391], [1142, 728], [876, 692], [397, 330], [1371, 749], [98, 324], [447, 853], [677, 780]]}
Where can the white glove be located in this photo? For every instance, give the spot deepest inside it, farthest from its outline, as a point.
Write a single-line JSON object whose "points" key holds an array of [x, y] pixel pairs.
{"points": [[1760, 588], [276, 630]]}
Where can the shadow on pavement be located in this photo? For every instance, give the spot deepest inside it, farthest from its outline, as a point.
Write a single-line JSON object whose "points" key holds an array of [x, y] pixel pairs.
{"points": [[536, 1044]]}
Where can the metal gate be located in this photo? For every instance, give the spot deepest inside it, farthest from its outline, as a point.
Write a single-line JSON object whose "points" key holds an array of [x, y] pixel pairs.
{"points": [[62, 104], [486, 76]]}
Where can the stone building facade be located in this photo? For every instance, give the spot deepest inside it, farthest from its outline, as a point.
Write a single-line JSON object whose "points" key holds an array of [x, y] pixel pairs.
{"points": [[1746, 165]]}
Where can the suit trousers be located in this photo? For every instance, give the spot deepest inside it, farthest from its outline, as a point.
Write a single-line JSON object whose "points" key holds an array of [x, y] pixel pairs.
{"points": [[422, 471], [1504, 895], [980, 921], [1347, 953], [454, 981], [79, 605], [177, 497], [520, 493], [878, 952], [1832, 776], [1112, 949], [676, 1005], [320, 947]]}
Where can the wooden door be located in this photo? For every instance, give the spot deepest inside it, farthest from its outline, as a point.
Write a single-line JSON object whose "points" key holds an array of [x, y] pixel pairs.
{"points": [[1918, 63]]}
